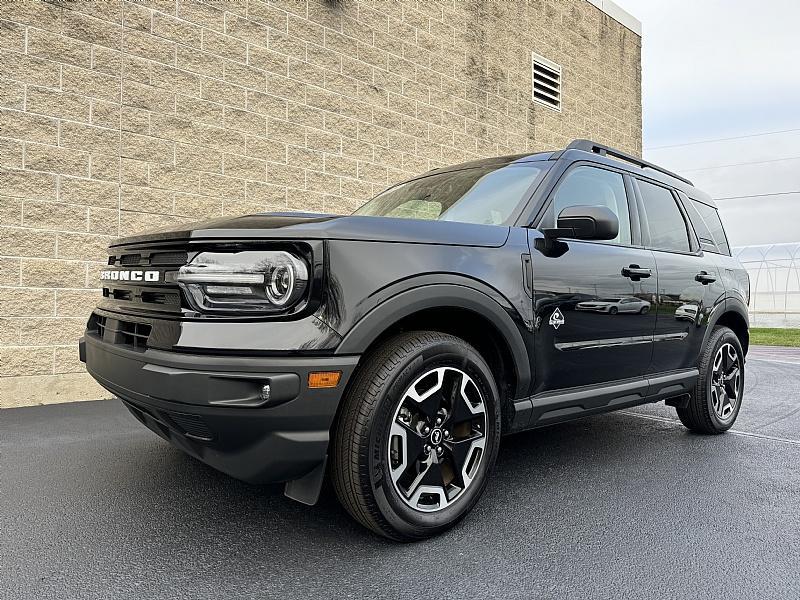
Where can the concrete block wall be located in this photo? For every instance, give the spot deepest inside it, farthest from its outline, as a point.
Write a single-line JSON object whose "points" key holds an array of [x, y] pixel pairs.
{"points": [[117, 117]]}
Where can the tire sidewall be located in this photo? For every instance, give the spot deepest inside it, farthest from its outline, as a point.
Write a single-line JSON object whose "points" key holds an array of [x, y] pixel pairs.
{"points": [[727, 337], [403, 518]]}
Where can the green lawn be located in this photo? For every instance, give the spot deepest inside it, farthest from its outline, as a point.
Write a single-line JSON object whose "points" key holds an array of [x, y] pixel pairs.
{"points": [[775, 337]]}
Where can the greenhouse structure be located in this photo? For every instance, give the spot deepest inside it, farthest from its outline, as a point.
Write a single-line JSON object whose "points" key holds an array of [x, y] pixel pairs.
{"points": [[774, 271]]}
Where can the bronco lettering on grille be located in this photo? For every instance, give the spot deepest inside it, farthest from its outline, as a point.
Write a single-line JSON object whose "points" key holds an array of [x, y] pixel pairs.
{"points": [[129, 275]]}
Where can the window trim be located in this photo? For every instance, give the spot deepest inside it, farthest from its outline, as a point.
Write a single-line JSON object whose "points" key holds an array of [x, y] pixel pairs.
{"points": [[586, 163], [691, 236]]}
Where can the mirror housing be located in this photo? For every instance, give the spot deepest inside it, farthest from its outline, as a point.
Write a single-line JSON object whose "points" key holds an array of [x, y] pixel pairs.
{"points": [[585, 223]]}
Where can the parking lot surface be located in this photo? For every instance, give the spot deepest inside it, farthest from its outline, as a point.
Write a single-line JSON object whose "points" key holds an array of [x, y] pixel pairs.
{"points": [[624, 505]]}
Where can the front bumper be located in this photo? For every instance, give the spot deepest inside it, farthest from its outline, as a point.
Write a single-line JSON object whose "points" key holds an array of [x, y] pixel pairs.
{"points": [[211, 406]]}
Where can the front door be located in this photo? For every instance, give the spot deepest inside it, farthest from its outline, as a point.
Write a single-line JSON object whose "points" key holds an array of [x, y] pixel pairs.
{"points": [[593, 301]]}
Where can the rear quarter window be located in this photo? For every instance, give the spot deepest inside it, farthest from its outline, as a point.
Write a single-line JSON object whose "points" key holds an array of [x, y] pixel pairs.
{"points": [[713, 223], [704, 236]]}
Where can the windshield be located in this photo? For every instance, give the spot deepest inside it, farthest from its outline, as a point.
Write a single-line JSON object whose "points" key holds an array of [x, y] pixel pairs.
{"points": [[482, 195]]}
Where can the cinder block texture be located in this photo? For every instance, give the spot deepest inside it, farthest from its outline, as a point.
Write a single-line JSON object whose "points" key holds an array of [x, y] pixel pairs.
{"points": [[120, 116]]}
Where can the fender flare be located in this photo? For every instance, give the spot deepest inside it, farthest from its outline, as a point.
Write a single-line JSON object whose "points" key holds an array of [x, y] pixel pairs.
{"points": [[729, 305], [410, 301]]}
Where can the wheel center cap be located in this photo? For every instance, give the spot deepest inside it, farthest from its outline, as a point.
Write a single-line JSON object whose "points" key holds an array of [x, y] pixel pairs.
{"points": [[436, 436]]}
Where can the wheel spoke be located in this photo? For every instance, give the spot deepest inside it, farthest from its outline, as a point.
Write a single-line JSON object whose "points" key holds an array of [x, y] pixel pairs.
{"points": [[459, 451], [426, 393], [462, 409], [406, 448]]}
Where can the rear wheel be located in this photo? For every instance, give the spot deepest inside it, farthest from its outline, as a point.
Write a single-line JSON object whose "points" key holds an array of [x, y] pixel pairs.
{"points": [[717, 396], [417, 437]]}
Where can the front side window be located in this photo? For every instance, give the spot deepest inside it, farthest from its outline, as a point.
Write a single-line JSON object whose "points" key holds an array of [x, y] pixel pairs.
{"points": [[483, 195], [664, 219], [590, 186]]}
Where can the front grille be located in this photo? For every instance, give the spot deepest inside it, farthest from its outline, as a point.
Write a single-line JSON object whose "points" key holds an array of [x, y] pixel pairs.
{"points": [[119, 332], [146, 297]]}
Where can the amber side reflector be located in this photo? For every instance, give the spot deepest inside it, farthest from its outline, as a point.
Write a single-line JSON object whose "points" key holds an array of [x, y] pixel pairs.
{"points": [[324, 379]]}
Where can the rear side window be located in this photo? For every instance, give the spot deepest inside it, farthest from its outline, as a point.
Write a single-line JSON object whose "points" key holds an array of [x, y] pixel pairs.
{"points": [[713, 223], [665, 221]]}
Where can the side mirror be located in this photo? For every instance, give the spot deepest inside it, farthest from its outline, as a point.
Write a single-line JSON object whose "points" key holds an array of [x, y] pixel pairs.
{"points": [[585, 223]]}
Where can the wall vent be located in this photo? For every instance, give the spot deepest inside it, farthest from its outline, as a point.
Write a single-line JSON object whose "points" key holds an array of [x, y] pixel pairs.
{"points": [[546, 82]]}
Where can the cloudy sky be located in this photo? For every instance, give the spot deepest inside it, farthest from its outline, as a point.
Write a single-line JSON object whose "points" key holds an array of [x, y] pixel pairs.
{"points": [[721, 94]]}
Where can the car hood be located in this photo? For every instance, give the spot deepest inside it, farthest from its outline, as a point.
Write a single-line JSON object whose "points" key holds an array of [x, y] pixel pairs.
{"points": [[308, 226]]}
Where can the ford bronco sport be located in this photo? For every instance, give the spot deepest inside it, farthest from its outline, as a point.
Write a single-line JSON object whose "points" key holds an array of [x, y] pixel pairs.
{"points": [[393, 347]]}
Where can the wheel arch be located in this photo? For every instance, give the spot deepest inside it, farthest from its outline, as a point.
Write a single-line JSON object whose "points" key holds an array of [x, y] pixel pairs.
{"points": [[732, 314], [473, 315]]}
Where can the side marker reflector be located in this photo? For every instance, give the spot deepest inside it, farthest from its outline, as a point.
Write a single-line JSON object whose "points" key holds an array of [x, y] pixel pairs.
{"points": [[324, 379]]}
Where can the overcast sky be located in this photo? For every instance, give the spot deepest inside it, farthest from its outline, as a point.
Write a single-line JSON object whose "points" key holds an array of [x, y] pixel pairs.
{"points": [[715, 69]]}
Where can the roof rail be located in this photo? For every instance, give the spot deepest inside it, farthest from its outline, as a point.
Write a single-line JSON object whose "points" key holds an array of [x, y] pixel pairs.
{"points": [[594, 147]]}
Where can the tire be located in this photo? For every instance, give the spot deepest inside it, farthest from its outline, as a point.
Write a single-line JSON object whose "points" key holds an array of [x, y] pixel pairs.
{"points": [[707, 411], [381, 425], [613, 310], [644, 310]]}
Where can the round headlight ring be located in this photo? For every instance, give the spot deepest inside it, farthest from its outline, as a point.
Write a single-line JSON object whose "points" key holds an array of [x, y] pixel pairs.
{"points": [[281, 283]]}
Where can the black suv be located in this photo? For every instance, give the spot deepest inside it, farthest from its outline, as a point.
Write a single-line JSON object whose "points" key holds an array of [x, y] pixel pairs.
{"points": [[393, 347]]}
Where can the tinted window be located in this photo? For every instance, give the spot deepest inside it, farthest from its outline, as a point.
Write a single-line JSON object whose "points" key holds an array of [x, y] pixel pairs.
{"points": [[703, 234], [483, 195], [712, 222], [664, 219], [589, 186]]}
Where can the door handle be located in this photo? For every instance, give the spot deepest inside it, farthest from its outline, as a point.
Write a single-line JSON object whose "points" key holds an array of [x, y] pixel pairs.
{"points": [[635, 272], [704, 278]]}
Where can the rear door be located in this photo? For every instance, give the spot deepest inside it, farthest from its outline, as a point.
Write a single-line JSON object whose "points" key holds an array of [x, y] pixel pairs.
{"points": [[593, 318], [689, 281]]}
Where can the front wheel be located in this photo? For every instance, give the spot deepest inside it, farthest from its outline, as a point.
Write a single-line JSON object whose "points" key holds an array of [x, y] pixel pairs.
{"points": [[417, 437], [717, 396]]}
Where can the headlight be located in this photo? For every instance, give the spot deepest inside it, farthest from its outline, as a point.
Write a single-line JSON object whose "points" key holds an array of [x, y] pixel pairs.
{"points": [[250, 281]]}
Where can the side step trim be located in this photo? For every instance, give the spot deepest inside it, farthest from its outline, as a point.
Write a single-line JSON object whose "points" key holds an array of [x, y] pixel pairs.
{"points": [[565, 405]]}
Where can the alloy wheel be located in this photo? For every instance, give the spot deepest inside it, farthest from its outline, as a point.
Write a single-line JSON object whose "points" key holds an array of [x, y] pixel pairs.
{"points": [[726, 378], [437, 439]]}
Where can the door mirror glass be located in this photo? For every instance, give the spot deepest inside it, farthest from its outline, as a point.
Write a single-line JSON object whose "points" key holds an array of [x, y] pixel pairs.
{"points": [[587, 223]]}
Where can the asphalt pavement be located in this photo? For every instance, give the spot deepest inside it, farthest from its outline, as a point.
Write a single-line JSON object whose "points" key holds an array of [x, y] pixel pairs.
{"points": [[624, 505]]}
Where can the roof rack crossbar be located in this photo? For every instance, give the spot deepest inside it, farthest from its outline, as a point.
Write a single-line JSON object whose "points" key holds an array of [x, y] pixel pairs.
{"points": [[590, 146]]}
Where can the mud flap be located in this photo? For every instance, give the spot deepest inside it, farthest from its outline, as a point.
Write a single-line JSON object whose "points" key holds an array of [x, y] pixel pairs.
{"points": [[306, 489]]}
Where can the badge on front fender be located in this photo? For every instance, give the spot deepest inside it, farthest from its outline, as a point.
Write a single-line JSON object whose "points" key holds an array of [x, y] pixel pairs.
{"points": [[557, 319]]}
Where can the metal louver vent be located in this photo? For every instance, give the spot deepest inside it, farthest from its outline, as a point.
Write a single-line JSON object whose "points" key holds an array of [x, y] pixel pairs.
{"points": [[546, 82]]}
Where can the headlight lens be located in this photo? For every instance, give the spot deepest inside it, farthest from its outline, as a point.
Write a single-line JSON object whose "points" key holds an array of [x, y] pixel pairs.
{"points": [[250, 281]]}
